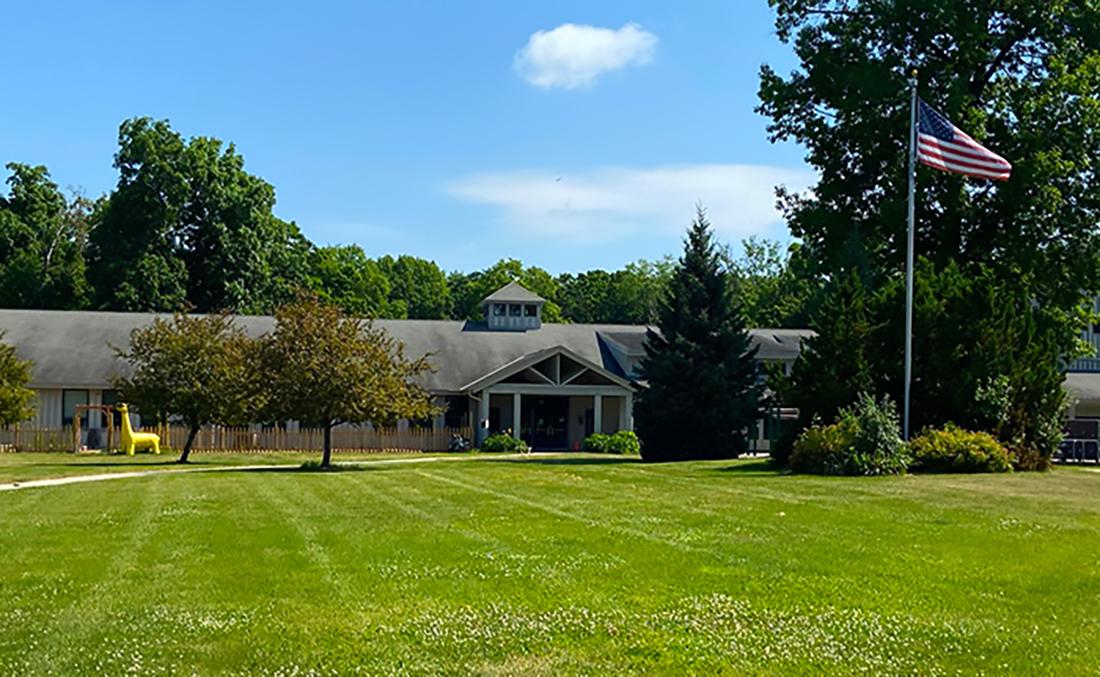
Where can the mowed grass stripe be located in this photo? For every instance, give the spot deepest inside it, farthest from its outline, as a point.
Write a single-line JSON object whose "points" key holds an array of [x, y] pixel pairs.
{"points": [[70, 629], [494, 566], [850, 553], [547, 507]]}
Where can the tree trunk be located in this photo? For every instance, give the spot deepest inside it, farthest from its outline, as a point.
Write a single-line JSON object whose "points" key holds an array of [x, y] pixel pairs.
{"points": [[187, 445], [326, 458]]}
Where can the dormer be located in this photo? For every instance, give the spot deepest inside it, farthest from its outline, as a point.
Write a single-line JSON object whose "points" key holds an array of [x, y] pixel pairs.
{"points": [[513, 308]]}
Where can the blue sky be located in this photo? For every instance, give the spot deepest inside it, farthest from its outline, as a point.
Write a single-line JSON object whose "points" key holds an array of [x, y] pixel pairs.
{"points": [[572, 135]]}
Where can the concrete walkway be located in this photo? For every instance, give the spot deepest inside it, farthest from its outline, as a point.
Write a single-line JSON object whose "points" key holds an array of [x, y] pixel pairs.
{"points": [[103, 477]]}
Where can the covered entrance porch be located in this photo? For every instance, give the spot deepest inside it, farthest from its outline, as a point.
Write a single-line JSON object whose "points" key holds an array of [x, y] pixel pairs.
{"points": [[552, 400]]}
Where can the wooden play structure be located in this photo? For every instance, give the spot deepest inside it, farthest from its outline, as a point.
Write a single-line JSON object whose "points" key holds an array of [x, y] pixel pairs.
{"points": [[130, 441], [108, 414]]}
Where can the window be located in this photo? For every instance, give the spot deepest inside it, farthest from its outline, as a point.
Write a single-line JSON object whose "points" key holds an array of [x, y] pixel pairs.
{"points": [[498, 309], [514, 310], [457, 414], [110, 398], [69, 400], [530, 310]]}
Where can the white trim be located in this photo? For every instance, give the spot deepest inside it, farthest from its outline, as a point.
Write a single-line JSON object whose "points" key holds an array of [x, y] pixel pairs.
{"points": [[531, 359]]}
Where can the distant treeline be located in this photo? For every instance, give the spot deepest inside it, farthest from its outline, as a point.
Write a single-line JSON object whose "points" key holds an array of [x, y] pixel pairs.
{"points": [[187, 227]]}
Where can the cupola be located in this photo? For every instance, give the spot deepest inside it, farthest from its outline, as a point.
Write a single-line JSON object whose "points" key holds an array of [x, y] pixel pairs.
{"points": [[513, 308]]}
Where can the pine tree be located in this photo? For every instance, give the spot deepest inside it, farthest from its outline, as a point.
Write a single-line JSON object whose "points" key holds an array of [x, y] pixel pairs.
{"points": [[835, 365], [702, 390]]}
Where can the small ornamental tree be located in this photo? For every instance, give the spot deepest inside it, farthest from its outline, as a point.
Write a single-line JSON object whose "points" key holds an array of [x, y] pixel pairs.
{"points": [[702, 388], [197, 367], [16, 399], [324, 368]]}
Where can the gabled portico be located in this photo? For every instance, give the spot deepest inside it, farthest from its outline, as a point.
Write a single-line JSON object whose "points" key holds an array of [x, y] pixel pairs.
{"points": [[552, 398]]}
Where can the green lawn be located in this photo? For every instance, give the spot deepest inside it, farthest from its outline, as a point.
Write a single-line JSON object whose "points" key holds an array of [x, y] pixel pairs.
{"points": [[35, 466], [582, 565]]}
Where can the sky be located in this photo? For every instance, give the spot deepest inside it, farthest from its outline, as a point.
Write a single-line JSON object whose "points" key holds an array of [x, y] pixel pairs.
{"points": [[570, 135]]}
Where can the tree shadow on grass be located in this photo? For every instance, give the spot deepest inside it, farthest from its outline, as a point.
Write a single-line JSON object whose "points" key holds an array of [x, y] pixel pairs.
{"points": [[105, 464], [309, 469], [761, 467], [567, 461]]}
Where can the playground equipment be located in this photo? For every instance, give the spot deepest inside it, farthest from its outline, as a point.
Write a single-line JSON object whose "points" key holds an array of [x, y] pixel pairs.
{"points": [[132, 440], [108, 416]]}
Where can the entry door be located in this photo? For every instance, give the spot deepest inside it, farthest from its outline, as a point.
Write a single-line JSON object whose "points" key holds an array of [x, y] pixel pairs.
{"points": [[546, 422]]}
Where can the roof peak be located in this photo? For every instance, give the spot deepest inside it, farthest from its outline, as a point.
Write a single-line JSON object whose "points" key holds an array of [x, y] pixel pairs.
{"points": [[513, 291]]}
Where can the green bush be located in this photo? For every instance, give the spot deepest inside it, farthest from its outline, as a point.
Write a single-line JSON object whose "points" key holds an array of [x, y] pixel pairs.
{"points": [[597, 442], [953, 449], [819, 447], [625, 442], [865, 440], [622, 442], [504, 443]]}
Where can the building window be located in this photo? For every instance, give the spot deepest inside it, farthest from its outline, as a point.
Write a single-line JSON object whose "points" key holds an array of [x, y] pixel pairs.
{"points": [[457, 414], [110, 398], [514, 310], [498, 309], [69, 400], [530, 310]]}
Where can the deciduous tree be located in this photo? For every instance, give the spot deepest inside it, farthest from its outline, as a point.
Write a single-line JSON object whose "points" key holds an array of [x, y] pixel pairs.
{"points": [[187, 223], [344, 276], [1023, 78], [417, 286], [16, 399], [199, 368], [42, 241], [323, 368], [468, 290]]}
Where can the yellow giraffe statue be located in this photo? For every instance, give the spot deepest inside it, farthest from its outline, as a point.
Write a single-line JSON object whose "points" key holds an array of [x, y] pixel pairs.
{"points": [[132, 440]]}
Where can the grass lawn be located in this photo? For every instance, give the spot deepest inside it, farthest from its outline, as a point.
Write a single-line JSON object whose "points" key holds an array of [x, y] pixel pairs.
{"points": [[34, 466], [581, 565]]}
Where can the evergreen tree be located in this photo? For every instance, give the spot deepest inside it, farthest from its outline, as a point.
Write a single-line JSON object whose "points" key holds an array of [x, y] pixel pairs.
{"points": [[702, 392], [837, 364]]}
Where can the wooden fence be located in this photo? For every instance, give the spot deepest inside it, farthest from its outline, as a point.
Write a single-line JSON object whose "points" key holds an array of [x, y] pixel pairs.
{"points": [[254, 440]]}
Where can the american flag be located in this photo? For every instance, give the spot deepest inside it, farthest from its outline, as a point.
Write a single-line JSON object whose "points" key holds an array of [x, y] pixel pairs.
{"points": [[942, 145]]}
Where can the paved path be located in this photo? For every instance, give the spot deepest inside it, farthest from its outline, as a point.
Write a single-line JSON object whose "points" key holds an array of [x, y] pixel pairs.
{"points": [[102, 477]]}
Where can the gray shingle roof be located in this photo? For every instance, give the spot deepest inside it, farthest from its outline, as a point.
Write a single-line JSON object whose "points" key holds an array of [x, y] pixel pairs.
{"points": [[773, 344], [513, 292], [74, 348]]}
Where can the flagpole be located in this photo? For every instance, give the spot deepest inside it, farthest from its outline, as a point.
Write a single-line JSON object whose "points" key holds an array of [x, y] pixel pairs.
{"points": [[909, 251]]}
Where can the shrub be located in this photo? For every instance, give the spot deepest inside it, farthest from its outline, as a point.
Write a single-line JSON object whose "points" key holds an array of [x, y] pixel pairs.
{"points": [[865, 440], [625, 442], [504, 443], [622, 442], [953, 449], [1028, 459], [819, 447], [597, 442]]}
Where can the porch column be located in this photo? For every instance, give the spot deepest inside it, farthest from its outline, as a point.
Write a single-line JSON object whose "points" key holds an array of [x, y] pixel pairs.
{"points": [[597, 413], [628, 411], [515, 414], [480, 428]]}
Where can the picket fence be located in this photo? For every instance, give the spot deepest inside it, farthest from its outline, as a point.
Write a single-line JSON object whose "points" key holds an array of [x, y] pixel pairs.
{"points": [[253, 440]]}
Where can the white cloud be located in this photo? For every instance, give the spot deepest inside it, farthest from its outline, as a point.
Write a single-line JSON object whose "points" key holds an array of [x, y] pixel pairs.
{"points": [[613, 203], [572, 55]]}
